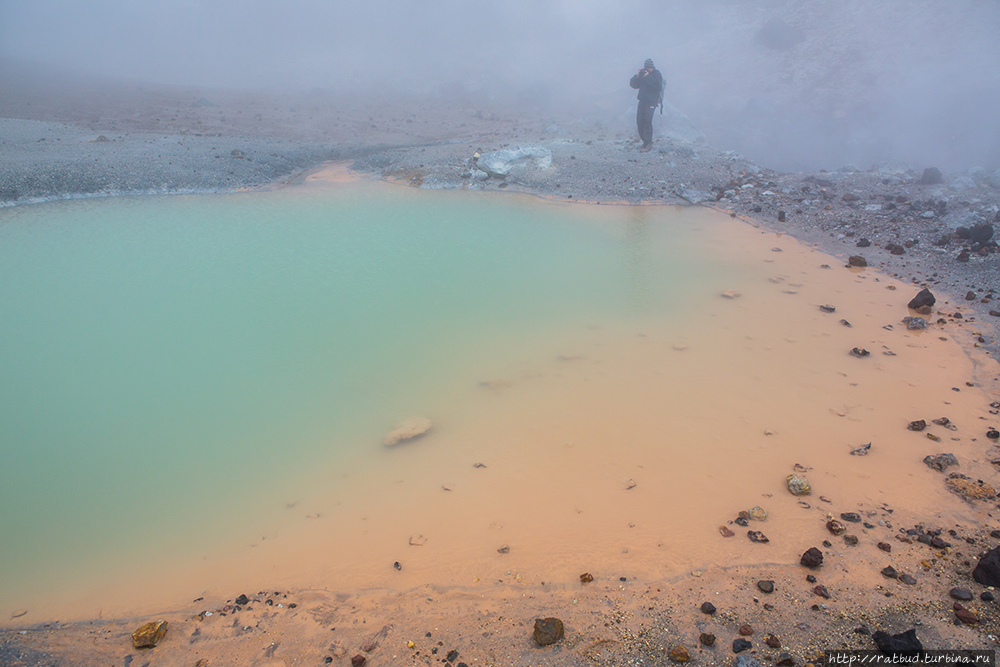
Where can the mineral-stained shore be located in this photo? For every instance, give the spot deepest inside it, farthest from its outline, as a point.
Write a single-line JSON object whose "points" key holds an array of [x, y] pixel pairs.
{"points": [[180, 140]]}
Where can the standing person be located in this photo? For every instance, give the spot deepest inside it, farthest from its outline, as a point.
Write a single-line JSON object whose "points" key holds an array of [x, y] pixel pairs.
{"points": [[649, 82]]}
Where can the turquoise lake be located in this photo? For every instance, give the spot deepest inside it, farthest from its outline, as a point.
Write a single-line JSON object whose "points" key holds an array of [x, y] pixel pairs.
{"points": [[172, 366]]}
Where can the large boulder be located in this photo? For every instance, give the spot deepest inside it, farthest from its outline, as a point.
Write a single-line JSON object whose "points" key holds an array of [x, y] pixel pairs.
{"points": [[503, 162], [904, 643], [987, 570]]}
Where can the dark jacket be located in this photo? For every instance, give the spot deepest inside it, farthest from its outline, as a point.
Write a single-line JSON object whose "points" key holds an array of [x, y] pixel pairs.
{"points": [[649, 87]]}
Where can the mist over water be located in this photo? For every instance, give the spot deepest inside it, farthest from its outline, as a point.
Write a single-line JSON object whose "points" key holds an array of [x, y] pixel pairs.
{"points": [[835, 83]]}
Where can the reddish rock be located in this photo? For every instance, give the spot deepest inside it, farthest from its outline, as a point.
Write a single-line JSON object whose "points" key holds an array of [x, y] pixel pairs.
{"points": [[964, 615]]}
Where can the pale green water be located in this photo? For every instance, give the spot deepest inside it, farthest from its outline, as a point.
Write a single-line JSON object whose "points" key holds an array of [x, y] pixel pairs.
{"points": [[171, 366]]}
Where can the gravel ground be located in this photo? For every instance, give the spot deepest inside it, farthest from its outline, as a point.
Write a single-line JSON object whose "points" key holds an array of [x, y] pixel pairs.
{"points": [[45, 160]]}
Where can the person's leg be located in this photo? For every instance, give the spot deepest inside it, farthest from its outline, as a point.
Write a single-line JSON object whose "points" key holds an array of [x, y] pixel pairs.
{"points": [[646, 125], [639, 122]]}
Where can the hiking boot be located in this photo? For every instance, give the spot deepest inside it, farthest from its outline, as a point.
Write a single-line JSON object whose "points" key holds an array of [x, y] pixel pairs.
{"points": [[646, 148]]}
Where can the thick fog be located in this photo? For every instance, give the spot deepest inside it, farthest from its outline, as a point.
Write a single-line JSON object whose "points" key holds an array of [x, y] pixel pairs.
{"points": [[793, 84]]}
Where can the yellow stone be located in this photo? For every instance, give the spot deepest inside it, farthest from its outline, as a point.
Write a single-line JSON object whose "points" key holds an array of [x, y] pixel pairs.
{"points": [[149, 635], [679, 654]]}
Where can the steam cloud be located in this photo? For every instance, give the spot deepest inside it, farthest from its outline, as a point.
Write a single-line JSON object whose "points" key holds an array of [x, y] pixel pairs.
{"points": [[847, 81]]}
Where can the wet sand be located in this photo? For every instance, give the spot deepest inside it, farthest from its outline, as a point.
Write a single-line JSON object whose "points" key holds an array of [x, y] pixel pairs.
{"points": [[617, 452]]}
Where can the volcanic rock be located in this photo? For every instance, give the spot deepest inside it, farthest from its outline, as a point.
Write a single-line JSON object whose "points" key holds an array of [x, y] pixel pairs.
{"points": [[940, 462], [962, 594], [798, 485], [904, 643], [740, 644], [964, 615], [707, 639], [856, 260], [707, 608], [923, 298], [987, 571], [548, 631], [835, 527], [813, 557], [678, 653], [149, 635]]}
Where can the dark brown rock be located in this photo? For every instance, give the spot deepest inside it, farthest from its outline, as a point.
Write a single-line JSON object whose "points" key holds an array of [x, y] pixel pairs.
{"points": [[707, 608], [821, 591], [707, 639], [678, 653], [856, 260], [813, 557], [835, 527], [923, 298], [757, 536], [885, 547], [548, 631], [772, 641], [746, 630], [358, 660], [918, 425], [765, 586], [586, 578]]}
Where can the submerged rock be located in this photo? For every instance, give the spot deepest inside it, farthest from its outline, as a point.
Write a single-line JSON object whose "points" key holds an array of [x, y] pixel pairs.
{"points": [[407, 430], [798, 485], [548, 631], [940, 462], [149, 635]]}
